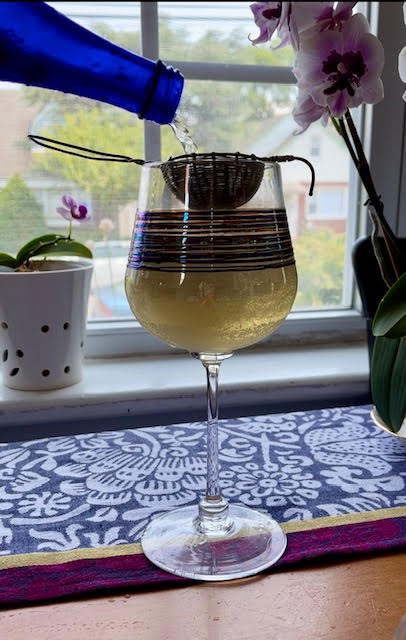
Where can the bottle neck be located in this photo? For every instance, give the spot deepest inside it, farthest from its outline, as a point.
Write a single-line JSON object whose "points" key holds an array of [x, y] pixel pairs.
{"points": [[41, 47], [163, 97]]}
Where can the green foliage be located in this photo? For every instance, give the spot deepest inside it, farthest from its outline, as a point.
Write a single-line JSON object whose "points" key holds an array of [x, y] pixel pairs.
{"points": [[47, 244], [388, 365], [19, 212], [7, 261], [320, 265], [388, 380], [52, 243], [107, 129], [390, 317]]}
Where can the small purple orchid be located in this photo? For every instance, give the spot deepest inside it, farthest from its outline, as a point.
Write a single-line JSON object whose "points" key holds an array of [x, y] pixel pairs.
{"points": [[73, 211]]}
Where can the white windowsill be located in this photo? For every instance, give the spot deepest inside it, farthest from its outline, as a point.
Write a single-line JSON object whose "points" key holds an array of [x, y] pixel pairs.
{"points": [[157, 389]]}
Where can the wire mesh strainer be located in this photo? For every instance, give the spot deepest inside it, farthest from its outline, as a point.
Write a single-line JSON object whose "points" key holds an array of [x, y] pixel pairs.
{"points": [[200, 180], [213, 180]]}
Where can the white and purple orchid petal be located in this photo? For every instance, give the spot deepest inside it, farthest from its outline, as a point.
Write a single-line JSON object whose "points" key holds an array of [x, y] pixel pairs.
{"points": [[303, 16], [338, 104], [267, 17], [307, 111], [65, 213], [83, 213], [402, 57], [80, 213], [402, 64], [343, 10], [69, 202], [341, 68], [353, 29]]}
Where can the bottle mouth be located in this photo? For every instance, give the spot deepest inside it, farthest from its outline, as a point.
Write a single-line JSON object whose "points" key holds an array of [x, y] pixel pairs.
{"points": [[164, 94]]}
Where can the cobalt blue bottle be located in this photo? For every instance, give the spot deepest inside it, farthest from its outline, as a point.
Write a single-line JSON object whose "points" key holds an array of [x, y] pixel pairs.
{"points": [[41, 47]]}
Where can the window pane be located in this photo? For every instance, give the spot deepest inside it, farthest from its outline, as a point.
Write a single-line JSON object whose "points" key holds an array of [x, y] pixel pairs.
{"points": [[214, 32], [32, 179], [116, 21], [253, 118]]}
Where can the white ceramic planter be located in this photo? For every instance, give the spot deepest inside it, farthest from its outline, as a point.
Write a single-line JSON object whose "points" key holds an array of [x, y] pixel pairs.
{"points": [[42, 325]]}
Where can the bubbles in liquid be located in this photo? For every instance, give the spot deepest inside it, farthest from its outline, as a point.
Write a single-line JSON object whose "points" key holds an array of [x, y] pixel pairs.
{"points": [[182, 134]]}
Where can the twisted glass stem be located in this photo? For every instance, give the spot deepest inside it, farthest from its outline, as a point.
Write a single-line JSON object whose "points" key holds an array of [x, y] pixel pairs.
{"points": [[213, 515]]}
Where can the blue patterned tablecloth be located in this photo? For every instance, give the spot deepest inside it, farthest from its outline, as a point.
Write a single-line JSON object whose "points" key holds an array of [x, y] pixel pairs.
{"points": [[100, 489]]}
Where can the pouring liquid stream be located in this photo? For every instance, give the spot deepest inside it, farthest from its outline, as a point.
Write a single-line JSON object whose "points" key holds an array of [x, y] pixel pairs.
{"points": [[182, 134]]}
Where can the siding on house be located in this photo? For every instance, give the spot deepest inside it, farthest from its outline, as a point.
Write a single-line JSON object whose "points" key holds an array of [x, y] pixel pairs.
{"points": [[16, 116]]}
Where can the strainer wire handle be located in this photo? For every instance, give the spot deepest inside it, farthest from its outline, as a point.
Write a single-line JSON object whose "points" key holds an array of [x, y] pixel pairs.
{"points": [[65, 147], [290, 159]]}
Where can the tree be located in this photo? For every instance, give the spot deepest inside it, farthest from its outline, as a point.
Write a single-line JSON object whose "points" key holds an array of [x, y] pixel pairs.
{"points": [[20, 215], [320, 266], [106, 129]]}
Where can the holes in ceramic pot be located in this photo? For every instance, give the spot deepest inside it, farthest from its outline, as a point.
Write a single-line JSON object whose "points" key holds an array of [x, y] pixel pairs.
{"points": [[66, 326], [45, 372], [19, 353], [4, 325], [5, 355], [44, 328], [14, 371], [67, 369]]}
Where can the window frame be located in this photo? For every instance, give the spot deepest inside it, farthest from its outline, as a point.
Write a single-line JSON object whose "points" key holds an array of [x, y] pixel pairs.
{"points": [[344, 324]]}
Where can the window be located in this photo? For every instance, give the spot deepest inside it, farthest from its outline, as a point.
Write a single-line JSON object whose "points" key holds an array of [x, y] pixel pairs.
{"points": [[236, 97], [315, 143], [328, 204]]}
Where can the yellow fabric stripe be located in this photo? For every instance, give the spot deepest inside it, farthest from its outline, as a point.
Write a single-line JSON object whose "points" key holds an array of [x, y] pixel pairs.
{"points": [[337, 521], [60, 557]]}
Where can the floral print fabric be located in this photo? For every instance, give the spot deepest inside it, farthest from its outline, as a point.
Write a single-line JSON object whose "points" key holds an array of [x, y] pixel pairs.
{"points": [[101, 489]]}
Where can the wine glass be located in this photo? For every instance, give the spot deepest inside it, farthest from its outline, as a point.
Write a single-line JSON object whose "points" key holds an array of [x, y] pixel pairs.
{"points": [[211, 270]]}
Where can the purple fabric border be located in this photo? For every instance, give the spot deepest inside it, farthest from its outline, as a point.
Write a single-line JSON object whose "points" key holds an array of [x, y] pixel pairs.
{"points": [[48, 582]]}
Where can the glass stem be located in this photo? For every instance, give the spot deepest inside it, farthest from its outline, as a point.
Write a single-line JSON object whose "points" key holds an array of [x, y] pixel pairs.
{"points": [[213, 518], [213, 486]]}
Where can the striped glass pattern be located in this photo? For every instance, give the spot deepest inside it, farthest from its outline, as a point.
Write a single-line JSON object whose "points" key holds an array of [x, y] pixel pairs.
{"points": [[233, 240], [191, 223]]}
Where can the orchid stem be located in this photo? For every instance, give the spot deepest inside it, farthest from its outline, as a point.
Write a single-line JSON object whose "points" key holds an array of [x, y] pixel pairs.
{"points": [[348, 143], [391, 270]]}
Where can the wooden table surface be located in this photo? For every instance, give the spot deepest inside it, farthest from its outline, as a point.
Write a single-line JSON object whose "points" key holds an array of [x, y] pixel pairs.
{"points": [[361, 599]]}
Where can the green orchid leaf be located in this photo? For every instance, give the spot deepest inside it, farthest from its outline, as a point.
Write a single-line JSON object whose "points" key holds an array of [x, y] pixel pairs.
{"points": [[66, 247], [52, 243], [7, 261], [32, 246], [398, 387], [390, 317], [388, 380]]}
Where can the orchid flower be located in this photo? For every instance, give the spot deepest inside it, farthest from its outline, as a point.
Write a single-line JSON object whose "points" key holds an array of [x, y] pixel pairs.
{"points": [[316, 16], [73, 211], [307, 111], [269, 18], [291, 19], [340, 69], [402, 56]]}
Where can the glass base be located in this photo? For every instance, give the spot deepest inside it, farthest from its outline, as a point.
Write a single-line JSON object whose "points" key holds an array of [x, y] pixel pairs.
{"points": [[173, 542]]}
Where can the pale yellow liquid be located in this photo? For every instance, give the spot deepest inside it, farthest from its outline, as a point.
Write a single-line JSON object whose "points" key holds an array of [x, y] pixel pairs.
{"points": [[211, 312]]}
